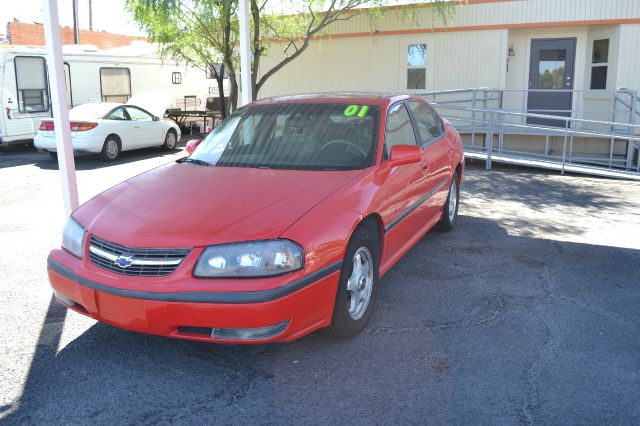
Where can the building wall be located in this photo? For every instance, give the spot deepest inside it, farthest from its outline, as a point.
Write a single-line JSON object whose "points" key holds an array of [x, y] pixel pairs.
{"points": [[460, 59], [628, 73], [369, 53], [24, 34]]}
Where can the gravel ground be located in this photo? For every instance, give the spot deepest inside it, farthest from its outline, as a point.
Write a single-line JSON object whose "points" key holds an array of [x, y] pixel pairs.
{"points": [[527, 313]]}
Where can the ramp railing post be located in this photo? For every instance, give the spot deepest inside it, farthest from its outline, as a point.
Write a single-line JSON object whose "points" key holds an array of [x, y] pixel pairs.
{"points": [[564, 145], [490, 141]]}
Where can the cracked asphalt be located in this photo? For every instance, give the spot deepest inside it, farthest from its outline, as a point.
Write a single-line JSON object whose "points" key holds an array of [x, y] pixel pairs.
{"points": [[527, 313]]}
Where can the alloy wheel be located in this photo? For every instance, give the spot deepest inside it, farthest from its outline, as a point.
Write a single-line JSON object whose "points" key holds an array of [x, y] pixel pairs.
{"points": [[360, 283]]}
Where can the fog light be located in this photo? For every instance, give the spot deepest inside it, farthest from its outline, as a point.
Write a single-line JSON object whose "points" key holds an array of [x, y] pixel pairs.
{"points": [[259, 333], [64, 299]]}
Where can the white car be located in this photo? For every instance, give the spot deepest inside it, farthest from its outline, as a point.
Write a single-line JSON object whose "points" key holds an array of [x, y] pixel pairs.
{"points": [[110, 128]]}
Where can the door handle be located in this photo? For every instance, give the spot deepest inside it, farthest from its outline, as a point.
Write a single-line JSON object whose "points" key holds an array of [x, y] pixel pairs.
{"points": [[424, 164], [136, 127]]}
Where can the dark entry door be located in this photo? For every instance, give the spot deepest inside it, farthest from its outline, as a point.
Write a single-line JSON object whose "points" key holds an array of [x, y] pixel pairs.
{"points": [[552, 65]]}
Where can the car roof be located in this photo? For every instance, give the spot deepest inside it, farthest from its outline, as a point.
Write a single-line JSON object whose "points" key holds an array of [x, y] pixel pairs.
{"points": [[371, 98]]}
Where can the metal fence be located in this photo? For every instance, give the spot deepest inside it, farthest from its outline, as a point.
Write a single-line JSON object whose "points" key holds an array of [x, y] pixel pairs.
{"points": [[606, 119]]}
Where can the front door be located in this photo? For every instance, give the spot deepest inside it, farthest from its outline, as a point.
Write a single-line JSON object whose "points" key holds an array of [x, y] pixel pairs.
{"points": [[551, 79]]}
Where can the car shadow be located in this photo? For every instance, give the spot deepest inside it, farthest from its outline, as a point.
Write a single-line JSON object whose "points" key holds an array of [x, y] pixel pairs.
{"points": [[26, 154], [464, 315]]}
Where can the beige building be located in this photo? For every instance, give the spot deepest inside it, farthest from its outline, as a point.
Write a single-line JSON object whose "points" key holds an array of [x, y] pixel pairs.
{"points": [[488, 44], [585, 48]]}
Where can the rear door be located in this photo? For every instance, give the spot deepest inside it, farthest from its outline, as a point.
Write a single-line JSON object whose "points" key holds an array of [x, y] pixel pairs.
{"points": [[437, 151], [404, 187]]}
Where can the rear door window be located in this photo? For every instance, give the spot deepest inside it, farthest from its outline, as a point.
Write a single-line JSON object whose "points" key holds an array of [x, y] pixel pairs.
{"points": [[427, 120], [117, 114]]}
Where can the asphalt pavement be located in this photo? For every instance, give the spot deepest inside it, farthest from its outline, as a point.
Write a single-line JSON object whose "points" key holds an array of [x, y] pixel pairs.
{"points": [[528, 312]]}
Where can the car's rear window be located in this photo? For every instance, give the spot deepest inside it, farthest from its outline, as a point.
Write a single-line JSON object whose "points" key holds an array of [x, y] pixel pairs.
{"points": [[305, 136]]}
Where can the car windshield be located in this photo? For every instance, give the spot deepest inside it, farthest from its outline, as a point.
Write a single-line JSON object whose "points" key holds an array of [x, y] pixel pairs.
{"points": [[305, 136]]}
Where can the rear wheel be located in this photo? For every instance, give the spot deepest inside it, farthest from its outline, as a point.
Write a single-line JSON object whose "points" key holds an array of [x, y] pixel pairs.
{"points": [[450, 212], [357, 288], [170, 140], [111, 149]]}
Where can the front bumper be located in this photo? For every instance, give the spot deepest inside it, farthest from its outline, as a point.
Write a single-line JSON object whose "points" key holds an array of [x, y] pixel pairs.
{"points": [[307, 304]]}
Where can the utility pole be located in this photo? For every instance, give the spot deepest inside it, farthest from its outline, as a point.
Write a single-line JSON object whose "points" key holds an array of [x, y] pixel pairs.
{"points": [[76, 25], [245, 62], [55, 65], [90, 17]]}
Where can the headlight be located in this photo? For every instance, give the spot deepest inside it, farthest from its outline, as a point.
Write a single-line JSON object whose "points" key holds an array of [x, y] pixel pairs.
{"points": [[73, 237], [254, 259]]}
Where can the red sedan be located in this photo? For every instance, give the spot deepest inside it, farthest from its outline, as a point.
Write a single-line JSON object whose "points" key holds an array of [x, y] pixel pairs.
{"points": [[280, 222]]}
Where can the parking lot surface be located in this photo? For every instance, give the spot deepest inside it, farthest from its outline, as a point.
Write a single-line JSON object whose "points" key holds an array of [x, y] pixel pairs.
{"points": [[527, 313]]}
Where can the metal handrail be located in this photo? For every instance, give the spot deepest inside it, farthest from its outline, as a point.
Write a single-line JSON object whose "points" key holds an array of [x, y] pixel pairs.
{"points": [[485, 120], [544, 116]]}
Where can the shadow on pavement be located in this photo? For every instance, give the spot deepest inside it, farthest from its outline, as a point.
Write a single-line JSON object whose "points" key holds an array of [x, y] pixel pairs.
{"points": [[27, 154], [471, 326]]}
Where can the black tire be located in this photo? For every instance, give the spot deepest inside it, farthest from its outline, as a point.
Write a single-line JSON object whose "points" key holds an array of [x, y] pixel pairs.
{"points": [[111, 149], [343, 323], [170, 141], [53, 155], [449, 220]]}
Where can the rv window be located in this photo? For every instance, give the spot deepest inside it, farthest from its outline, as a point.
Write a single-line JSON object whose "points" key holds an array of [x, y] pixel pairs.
{"points": [[31, 84], [115, 84], [67, 77], [176, 77]]}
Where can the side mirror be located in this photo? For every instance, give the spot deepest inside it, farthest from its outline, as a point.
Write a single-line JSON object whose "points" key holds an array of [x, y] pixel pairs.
{"points": [[156, 118], [192, 145], [404, 154]]}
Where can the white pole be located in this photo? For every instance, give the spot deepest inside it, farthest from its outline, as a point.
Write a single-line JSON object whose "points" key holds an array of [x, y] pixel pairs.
{"points": [[55, 66], [245, 62]]}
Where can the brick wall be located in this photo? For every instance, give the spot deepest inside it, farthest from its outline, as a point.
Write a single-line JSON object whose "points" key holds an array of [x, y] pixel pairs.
{"points": [[21, 33]]}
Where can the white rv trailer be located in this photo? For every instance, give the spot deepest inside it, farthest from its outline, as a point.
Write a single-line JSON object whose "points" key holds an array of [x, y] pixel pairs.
{"points": [[92, 75]]}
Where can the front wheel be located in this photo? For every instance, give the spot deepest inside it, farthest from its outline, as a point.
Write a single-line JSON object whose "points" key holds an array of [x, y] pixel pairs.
{"points": [[450, 212], [357, 287]]}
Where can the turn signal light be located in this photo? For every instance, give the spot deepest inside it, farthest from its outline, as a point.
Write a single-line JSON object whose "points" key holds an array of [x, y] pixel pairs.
{"points": [[82, 127], [46, 126], [76, 126]]}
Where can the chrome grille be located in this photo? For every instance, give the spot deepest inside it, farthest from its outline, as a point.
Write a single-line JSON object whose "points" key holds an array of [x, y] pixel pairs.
{"points": [[147, 262]]}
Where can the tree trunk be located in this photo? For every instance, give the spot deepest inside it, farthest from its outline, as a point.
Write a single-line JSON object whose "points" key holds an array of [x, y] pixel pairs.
{"points": [[220, 80]]}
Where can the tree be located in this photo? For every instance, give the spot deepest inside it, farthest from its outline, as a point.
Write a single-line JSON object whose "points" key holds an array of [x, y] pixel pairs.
{"points": [[205, 32], [299, 29], [201, 33]]}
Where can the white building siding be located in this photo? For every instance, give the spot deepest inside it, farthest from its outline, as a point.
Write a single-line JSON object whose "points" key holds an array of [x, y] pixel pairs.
{"points": [[514, 12], [628, 74], [471, 52], [379, 63]]}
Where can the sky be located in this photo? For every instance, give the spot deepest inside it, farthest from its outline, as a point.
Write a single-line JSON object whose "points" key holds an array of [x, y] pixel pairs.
{"points": [[108, 15]]}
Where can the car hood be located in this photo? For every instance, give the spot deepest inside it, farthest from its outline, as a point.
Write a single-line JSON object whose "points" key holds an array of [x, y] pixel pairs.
{"points": [[156, 102], [187, 205]]}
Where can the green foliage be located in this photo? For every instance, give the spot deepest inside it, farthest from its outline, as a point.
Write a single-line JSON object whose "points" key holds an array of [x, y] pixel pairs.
{"points": [[205, 32]]}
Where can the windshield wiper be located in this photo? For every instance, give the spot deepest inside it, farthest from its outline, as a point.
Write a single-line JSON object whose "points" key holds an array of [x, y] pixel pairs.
{"points": [[194, 161]]}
